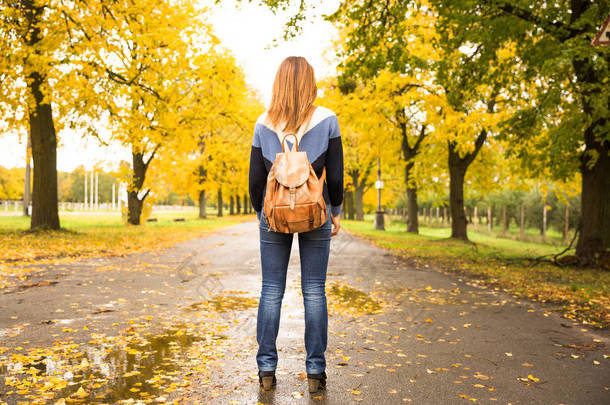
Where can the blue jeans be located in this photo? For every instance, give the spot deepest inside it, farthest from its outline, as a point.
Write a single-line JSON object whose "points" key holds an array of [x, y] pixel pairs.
{"points": [[275, 249]]}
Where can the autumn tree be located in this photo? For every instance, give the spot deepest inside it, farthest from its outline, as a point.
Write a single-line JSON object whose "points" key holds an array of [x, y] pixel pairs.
{"points": [[366, 135], [59, 58], [563, 85], [150, 85], [11, 183], [210, 155], [404, 41], [408, 104], [358, 130], [32, 41], [402, 101]]}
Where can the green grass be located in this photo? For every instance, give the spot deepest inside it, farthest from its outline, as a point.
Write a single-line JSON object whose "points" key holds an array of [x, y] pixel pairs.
{"points": [[501, 262], [491, 245], [80, 220], [553, 236]]}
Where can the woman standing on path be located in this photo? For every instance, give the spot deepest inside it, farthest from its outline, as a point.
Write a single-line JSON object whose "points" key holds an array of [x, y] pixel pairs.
{"points": [[317, 133]]}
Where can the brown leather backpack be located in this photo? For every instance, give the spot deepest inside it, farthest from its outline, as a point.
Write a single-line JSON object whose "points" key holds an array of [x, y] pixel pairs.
{"points": [[293, 198]]}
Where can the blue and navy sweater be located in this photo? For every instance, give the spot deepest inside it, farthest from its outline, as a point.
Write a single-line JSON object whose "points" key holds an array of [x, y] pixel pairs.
{"points": [[322, 142]]}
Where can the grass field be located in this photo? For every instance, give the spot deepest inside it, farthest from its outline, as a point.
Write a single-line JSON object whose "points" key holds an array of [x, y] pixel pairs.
{"points": [[85, 235], [553, 236], [501, 263]]}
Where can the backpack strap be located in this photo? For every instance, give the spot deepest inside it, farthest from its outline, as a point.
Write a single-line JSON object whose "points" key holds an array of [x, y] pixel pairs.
{"points": [[303, 127], [296, 142]]}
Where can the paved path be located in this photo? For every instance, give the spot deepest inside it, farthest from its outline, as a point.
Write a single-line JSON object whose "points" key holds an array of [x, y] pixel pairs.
{"points": [[438, 339]]}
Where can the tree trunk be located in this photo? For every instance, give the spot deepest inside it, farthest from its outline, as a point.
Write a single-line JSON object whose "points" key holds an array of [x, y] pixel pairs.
{"points": [[231, 205], [246, 204], [220, 202], [134, 208], [349, 196], [409, 153], [490, 220], [544, 222], [202, 177], [134, 203], [358, 199], [566, 223], [594, 237], [359, 182], [237, 204], [202, 205], [457, 172], [412, 211], [45, 213], [522, 223], [412, 208], [504, 221]]}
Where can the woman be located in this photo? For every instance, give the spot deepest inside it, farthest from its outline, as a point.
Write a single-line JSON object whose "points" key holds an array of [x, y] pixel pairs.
{"points": [[317, 132]]}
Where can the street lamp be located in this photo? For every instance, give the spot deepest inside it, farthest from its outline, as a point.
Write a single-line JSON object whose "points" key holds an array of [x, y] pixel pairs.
{"points": [[379, 185]]}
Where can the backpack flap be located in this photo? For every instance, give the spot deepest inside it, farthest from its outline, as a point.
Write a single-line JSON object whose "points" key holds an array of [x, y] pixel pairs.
{"points": [[291, 169]]}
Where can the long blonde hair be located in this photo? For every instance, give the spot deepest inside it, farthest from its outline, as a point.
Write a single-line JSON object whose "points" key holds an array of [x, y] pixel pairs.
{"points": [[294, 91]]}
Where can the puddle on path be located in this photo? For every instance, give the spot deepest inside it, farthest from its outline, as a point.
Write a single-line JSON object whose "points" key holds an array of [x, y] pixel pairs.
{"points": [[225, 303], [102, 371], [347, 300]]}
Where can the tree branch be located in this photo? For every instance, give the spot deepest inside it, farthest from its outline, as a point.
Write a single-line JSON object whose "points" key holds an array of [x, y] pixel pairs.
{"points": [[145, 195], [556, 29], [367, 172], [152, 155], [478, 144], [420, 138]]}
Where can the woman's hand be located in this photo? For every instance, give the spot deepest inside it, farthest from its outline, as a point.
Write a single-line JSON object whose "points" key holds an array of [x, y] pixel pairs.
{"points": [[336, 219]]}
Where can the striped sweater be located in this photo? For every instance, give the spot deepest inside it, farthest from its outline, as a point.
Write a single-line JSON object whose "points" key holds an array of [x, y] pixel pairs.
{"points": [[322, 142]]}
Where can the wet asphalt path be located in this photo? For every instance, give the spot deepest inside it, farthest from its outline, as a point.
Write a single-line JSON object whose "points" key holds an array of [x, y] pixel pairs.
{"points": [[439, 339]]}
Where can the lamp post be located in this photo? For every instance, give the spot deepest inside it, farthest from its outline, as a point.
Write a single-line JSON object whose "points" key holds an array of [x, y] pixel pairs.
{"points": [[91, 188], [86, 201], [379, 185]]}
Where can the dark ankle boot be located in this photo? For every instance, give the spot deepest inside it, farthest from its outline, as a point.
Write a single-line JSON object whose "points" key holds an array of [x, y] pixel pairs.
{"points": [[316, 381], [267, 380]]}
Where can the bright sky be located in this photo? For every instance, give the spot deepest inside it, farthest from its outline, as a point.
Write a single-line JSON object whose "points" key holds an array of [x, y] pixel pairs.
{"points": [[247, 31]]}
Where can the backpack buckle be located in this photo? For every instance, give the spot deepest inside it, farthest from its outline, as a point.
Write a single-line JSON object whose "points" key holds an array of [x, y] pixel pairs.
{"points": [[293, 196]]}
